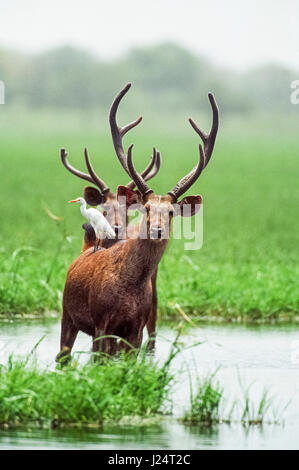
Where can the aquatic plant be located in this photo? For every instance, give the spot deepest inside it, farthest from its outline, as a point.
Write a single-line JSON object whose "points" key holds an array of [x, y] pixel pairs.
{"points": [[90, 393]]}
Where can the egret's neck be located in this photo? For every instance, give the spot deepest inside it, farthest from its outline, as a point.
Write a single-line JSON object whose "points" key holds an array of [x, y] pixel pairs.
{"points": [[83, 208]]}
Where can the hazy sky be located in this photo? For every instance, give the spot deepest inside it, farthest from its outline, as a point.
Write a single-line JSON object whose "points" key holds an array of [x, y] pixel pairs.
{"points": [[238, 33]]}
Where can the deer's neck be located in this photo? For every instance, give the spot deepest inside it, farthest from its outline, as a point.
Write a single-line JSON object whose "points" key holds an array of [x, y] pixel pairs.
{"points": [[143, 257]]}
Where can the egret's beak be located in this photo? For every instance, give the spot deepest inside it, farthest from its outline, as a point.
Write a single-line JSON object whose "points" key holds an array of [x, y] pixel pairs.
{"points": [[74, 200]]}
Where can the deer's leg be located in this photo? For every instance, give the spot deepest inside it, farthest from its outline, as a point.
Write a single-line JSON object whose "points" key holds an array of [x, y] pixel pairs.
{"points": [[134, 339], [111, 346], [67, 338], [151, 322], [98, 345], [105, 345]]}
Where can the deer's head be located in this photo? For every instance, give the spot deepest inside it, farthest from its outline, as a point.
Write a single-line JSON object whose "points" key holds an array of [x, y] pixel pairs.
{"points": [[160, 210]]}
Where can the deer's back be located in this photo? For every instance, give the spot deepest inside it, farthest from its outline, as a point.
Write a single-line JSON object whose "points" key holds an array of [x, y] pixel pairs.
{"points": [[98, 290]]}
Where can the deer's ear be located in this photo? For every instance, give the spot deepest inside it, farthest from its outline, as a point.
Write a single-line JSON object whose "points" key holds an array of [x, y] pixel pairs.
{"points": [[92, 196], [190, 205], [132, 197]]}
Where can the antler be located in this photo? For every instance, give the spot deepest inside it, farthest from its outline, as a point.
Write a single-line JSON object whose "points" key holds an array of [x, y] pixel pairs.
{"points": [[185, 183], [137, 178], [150, 174], [118, 132], [208, 141], [181, 187], [151, 170], [97, 181], [92, 177]]}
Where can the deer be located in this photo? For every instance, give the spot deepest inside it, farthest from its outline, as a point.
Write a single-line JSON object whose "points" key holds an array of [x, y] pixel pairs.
{"points": [[109, 294], [104, 197]]}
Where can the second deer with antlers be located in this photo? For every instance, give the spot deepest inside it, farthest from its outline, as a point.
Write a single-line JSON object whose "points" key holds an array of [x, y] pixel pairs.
{"points": [[110, 292], [103, 196]]}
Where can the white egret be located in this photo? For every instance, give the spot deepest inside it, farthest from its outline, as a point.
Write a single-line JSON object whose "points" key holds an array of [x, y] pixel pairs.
{"points": [[97, 221]]}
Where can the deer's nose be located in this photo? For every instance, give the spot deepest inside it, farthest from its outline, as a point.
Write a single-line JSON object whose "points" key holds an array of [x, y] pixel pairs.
{"points": [[157, 232]]}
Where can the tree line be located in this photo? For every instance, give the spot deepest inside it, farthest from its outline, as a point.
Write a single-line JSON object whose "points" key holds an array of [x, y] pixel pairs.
{"points": [[166, 76]]}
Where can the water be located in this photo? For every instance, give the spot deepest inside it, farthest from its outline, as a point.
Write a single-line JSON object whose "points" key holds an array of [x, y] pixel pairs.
{"points": [[264, 356]]}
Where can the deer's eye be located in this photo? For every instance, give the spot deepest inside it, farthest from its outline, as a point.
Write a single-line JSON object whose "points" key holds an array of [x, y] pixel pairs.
{"points": [[105, 213]]}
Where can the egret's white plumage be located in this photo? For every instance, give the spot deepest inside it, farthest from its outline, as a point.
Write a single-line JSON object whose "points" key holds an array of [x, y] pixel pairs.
{"points": [[96, 219]]}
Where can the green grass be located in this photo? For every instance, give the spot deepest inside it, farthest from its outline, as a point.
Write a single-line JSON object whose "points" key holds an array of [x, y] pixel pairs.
{"points": [[248, 265], [122, 389], [209, 405], [87, 394], [205, 404]]}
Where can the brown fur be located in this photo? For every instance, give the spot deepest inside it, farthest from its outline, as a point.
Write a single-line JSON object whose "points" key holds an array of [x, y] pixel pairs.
{"points": [[111, 206], [109, 292]]}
